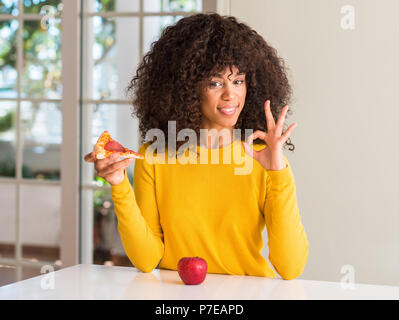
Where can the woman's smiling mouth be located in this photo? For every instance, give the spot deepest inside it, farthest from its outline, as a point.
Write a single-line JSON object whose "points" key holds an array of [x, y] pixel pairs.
{"points": [[228, 110]]}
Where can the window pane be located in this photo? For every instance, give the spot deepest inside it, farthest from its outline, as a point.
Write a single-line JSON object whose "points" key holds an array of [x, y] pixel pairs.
{"points": [[8, 274], [172, 5], [8, 58], [153, 27], [9, 7], [98, 210], [112, 55], [40, 222], [41, 76], [42, 136], [7, 138], [114, 5], [121, 125], [7, 220], [107, 245], [48, 7]]}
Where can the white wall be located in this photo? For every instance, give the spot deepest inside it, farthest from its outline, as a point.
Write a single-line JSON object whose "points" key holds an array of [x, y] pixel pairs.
{"points": [[345, 102]]}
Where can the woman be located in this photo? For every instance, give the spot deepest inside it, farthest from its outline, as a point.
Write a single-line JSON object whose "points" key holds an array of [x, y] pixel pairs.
{"points": [[211, 72]]}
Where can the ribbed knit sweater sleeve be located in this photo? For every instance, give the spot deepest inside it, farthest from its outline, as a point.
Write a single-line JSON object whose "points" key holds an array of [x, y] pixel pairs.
{"points": [[138, 218], [288, 244]]}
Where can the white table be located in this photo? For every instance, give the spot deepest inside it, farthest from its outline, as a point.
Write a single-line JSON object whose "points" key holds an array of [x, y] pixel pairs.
{"points": [[110, 282]]}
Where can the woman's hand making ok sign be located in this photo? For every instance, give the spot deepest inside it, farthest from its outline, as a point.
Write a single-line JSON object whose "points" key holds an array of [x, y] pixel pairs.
{"points": [[271, 157]]}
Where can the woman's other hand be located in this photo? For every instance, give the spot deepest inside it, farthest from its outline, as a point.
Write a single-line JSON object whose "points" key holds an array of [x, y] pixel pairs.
{"points": [[271, 157]]}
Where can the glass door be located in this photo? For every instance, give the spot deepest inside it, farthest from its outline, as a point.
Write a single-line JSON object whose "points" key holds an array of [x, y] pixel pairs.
{"points": [[116, 33], [30, 137]]}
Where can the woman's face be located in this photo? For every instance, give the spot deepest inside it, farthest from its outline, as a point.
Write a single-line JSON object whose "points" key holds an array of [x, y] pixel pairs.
{"points": [[223, 98]]}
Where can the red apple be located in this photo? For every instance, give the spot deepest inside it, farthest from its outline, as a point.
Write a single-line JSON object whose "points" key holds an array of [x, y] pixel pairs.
{"points": [[192, 270]]}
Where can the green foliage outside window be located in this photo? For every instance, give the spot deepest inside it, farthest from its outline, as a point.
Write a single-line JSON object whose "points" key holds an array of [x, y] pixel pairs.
{"points": [[7, 121]]}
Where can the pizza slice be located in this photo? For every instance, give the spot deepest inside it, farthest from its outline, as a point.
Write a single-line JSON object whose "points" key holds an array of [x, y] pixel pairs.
{"points": [[107, 146]]}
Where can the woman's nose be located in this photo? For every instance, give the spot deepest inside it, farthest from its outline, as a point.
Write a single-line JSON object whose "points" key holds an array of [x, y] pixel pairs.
{"points": [[228, 92]]}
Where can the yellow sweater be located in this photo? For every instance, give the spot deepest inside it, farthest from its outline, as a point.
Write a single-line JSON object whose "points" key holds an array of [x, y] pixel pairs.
{"points": [[208, 210]]}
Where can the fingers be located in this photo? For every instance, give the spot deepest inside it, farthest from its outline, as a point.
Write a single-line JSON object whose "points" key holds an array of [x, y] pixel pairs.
{"points": [[106, 168], [269, 116], [270, 120], [247, 145], [90, 157], [109, 169], [257, 134], [280, 121], [288, 132], [248, 150], [102, 163]]}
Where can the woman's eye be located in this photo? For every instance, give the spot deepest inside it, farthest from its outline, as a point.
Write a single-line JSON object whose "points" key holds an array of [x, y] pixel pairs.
{"points": [[215, 84], [218, 84]]}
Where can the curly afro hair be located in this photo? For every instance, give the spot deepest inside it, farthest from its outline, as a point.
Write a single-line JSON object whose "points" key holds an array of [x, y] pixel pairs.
{"points": [[167, 84]]}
